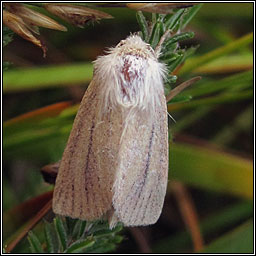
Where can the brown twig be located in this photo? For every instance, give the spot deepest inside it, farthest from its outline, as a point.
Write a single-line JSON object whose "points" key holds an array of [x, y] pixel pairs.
{"points": [[188, 212], [140, 240]]}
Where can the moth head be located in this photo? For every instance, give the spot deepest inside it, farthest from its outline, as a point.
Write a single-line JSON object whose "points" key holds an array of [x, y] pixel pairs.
{"points": [[134, 45], [130, 76]]}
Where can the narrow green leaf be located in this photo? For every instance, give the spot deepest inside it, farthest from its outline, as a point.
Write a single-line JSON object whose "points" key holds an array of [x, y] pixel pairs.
{"points": [[143, 25], [44, 77], [103, 227], [194, 63], [229, 63], [82, 229], [215, 222], [234, 82], [61, 233], [50, 238], [173, 65], [117, 239], [155, 35], [184, 54], [162, 29], [180, 98], [178, 38], [223, 98], [189, 14], [211, 169], [80, 246], [34, 242], [79, 229], [171, 49], [171, 20], [239, 240], [106, 232], [70, 223], [243, 122], [160, 17], [190, 51], [171, 79], [169, 57]]}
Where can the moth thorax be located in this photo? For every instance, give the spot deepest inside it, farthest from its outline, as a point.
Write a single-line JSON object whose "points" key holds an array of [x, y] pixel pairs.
{"points": [[131, 77]]}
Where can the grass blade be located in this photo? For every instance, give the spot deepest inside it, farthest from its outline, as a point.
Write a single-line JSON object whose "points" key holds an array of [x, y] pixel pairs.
{"points": [[194, 63], [239, 240]]}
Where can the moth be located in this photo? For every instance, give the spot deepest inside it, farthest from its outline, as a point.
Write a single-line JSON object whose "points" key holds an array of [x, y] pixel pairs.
{"points": [[115, 163]]}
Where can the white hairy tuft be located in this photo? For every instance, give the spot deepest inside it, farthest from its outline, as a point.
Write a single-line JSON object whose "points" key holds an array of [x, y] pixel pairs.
{"points": [[130, 76]]}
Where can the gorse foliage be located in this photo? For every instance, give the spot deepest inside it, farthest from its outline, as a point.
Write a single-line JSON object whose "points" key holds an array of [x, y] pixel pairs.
{"points": [[66, 235], [170, 25]]}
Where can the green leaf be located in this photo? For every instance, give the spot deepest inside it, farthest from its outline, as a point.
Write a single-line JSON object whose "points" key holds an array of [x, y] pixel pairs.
{"points": [[34, 242], [215, 222], [172, 20], [50, 238], [210, 169], [223, 98], [80, 246], [169, 57], [117, 239], [173, 65], [79, 228], [231, 63], [107, 232], [178, 38], [180, 98], [44, 77], [194, 63], [242, 123], [61, 233], [171, 79], [230, 83], [143, 25], [183, 55], [239, 240], [155, 35], [189, 14]]}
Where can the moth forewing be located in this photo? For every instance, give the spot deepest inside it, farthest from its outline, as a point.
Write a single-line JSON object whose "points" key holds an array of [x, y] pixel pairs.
{"points": [[86, 174], [116, 158], [140, 184]]}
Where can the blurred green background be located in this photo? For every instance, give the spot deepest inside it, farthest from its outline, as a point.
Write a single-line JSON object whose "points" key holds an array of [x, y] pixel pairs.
{"points": [[211, 152]]}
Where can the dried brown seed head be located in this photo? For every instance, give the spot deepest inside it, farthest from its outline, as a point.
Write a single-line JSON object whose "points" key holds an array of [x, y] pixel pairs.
{"points": [[76, 15], [33, 18], [163, 8], [17, 25]]}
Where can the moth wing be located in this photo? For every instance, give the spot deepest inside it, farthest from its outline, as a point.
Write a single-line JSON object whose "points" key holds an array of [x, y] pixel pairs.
{"points": [[142, 173], [85, 178]]}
